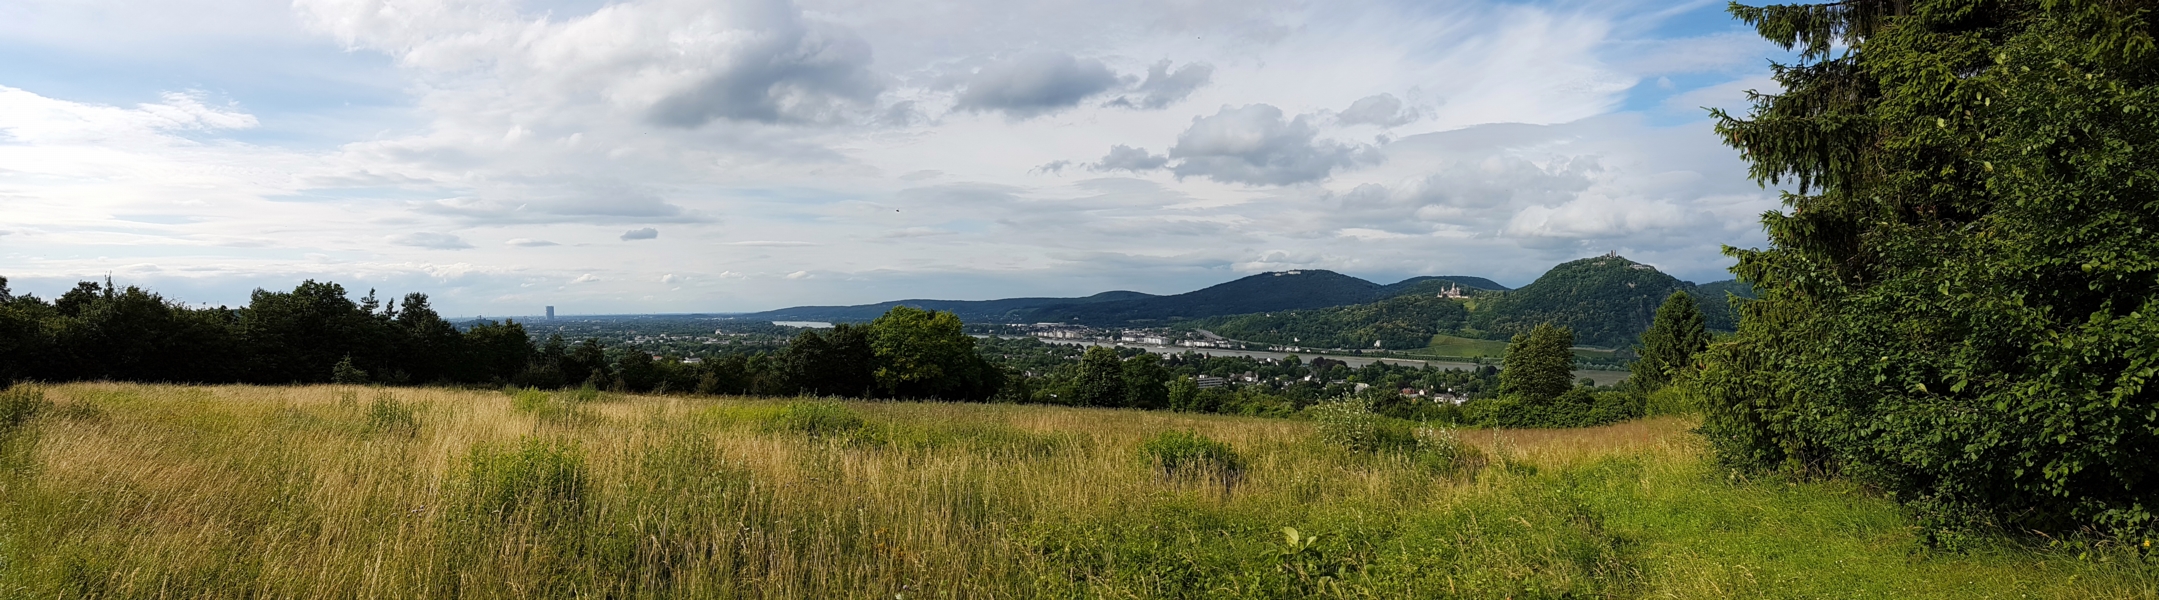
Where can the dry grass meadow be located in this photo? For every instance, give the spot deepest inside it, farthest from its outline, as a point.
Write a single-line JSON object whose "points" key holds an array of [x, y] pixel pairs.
{"points": [[147, 491]]}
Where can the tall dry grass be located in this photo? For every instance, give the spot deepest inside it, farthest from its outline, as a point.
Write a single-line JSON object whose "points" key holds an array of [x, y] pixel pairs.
{"points": [[117, 490]]}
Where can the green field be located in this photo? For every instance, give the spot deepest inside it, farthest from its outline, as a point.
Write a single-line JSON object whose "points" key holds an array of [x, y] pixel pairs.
{"points": [[137, 491]]}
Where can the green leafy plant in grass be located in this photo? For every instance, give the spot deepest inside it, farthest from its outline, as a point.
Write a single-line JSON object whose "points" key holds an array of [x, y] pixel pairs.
{"points": [[1186, 453], [388, 416], [1350, 423]]}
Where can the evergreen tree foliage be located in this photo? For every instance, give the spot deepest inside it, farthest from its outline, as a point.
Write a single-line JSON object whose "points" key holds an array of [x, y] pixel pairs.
{"points": [[1669, 346], [1960, 303], [1539, 365]]}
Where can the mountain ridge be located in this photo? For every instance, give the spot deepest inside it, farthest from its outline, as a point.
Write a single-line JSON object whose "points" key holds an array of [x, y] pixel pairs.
{"points": [[1309, 288]]}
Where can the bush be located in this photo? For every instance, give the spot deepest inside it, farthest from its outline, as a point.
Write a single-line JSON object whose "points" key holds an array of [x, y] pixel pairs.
{"points": [[1579, 407], [1185, 453], [1349, 422], [343, 373], [387, 415]]}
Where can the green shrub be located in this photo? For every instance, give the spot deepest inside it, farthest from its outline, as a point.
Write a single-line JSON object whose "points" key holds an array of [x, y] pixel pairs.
{"points": [[387, 415], [1676, 399], [1185, 453], [816, 419], [1579, 407], [1349, 422]]}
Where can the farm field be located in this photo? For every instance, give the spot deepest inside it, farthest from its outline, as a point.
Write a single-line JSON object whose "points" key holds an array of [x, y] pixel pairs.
{"points": [[126, 491]]}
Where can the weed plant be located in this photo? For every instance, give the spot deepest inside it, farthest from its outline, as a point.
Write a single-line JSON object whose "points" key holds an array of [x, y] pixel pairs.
{"points": [[142, 491]]}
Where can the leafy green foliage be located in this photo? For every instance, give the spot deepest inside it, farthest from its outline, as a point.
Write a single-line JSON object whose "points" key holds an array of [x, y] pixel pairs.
{"points": [[1668, 348], [923, 354], [1961, 304], [1539, 365], [1186, 453], [344, 373], [387, 415], [1101, 380], [1349, 423]]}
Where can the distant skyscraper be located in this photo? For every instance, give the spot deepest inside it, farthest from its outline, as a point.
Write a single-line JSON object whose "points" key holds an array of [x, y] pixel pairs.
{"points": [[550, 313]]}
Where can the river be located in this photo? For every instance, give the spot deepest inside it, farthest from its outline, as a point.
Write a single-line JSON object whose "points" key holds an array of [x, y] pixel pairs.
{"points": [[1601, 377]]}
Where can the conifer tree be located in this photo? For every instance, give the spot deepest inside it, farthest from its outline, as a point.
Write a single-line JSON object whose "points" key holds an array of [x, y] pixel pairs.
{"points": [[1673, 338]]}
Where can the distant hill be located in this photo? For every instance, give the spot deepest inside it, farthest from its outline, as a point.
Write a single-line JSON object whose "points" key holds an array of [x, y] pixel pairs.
{"points": [[1433, 284], [1281, 290], [1608, 301], [1008, 310], [1399, 323]]}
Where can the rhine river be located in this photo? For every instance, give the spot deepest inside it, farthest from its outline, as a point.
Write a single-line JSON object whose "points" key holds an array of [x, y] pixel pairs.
{"points": [[1601, 377]]}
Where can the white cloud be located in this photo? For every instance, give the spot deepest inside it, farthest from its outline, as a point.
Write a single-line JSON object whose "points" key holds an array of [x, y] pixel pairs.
{"points": [[1254, 144], [434, 241], [926, 149], [1383, 110], [1034, 84], [1164, 87]]}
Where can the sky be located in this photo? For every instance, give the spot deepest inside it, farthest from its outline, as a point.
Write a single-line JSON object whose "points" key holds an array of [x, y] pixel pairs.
{"points": [[670, 156]]}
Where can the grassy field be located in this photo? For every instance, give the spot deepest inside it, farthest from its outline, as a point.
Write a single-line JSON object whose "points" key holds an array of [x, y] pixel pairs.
{"points": [[352, 492]]}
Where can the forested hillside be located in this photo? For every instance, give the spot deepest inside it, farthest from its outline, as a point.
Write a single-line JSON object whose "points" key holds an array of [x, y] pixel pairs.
{"points": [[1283, 290], [1401, 322], [1608, 302], [1006, 310]]}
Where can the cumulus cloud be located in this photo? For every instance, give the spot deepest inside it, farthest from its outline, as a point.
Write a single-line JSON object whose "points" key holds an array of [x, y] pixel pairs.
{"points": [[432, 241], [646, 233], [1164, 87], [527, 243], [670, 279], [677, 62], [585, 278], [1255, 145], [1127, 158], [1383, 110], [1034, 84], [800, 275]]}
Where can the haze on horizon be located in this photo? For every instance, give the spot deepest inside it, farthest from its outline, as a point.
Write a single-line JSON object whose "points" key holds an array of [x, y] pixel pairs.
{"points": [[669, 156]]}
